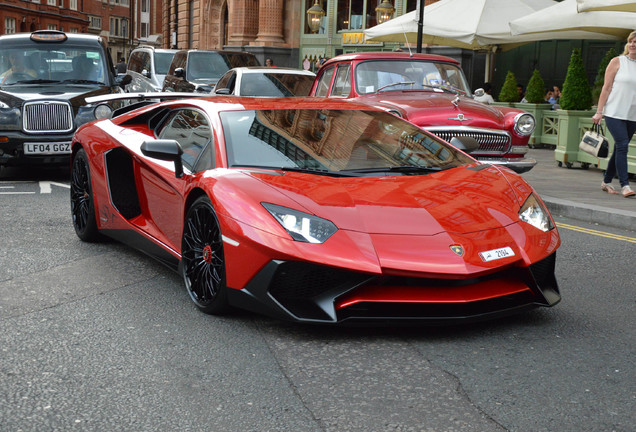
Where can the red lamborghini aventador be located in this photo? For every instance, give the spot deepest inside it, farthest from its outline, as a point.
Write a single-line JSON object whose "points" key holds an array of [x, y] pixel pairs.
{"points": [[314, 211]]}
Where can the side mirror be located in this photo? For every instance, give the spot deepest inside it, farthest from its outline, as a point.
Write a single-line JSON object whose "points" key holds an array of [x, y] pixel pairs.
{"points": [[167, 150], [145, 73], [466, 144], [179, 73], [123, 80], [223, 91]]}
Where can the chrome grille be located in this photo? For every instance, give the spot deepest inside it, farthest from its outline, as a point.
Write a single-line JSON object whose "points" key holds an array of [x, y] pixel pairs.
{"points": [[489, 142], [46, 116]]}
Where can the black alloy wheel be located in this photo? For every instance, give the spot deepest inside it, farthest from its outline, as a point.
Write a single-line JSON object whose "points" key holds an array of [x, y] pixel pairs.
{"points": [[203, 261], [82, 204]]}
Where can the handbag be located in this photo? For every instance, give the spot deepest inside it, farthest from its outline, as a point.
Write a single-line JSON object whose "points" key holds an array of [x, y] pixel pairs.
{"points": [[594, 142]]}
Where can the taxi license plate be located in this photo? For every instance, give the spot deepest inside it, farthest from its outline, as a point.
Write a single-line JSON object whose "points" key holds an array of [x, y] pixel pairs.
{"points": [[49, 148], [496, 254]]}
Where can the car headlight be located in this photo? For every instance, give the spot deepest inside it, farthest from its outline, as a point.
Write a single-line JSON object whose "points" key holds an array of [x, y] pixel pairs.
{"points": [[300, 225], [534, 213], [103, 111], [524, 124]]}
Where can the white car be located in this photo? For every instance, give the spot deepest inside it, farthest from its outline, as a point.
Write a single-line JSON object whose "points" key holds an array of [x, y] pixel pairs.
{"points": [[265, 82], [148, 67]]}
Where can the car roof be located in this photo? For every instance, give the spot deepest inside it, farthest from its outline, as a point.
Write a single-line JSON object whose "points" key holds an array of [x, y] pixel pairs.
{"points": [[389, 55], [151, 48], [74, 37], [216, 51], [274, 70]]}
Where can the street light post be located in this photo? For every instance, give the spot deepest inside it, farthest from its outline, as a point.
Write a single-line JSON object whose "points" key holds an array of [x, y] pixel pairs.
{"points": [[420, 26]]}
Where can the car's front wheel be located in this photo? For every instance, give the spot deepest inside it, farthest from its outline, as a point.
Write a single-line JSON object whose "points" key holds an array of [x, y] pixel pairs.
{"points": [[82, 203], [203, 262]]}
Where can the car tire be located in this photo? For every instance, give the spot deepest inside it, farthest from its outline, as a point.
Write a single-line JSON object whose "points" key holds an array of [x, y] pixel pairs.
{"points": [[202, 258], [82, 202]]}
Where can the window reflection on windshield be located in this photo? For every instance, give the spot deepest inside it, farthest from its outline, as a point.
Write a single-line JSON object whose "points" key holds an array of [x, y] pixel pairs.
{"points": [[332, 140], [394, 75]]}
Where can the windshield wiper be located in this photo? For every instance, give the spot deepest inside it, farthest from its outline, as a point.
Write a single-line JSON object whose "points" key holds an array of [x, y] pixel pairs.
{"points": [[397, 168], [411, 83], [82, 81], [37, 81]]}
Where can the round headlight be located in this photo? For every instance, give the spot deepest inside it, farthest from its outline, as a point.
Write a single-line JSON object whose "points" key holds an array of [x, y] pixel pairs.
{"points": [[103, 111], [524, 124]]}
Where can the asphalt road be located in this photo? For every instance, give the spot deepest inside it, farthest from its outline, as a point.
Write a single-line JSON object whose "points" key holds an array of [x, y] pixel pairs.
{"points": [[97, 337]]}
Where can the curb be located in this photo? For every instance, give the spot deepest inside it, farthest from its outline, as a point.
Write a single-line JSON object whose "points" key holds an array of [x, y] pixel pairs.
{"points": [[623, 219]]}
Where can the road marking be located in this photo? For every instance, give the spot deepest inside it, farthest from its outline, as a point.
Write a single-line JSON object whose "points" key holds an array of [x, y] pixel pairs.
{"points": [[45, 186], [597, 233], [17, 193]]}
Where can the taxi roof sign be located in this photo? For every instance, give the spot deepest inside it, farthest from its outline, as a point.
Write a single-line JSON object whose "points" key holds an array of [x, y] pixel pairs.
{"points": [[48, 36]]}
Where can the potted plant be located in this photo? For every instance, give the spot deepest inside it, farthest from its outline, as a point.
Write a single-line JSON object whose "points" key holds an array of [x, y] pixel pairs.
{"points": [[600, 75], [574, 112], [509, 91], [535, 97]]}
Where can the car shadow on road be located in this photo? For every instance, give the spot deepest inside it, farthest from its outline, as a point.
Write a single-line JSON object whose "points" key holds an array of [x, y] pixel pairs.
{"points": [[35, 173]]}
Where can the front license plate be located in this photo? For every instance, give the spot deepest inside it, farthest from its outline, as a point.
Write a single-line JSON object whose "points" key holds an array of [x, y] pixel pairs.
{"points": [[496, 254], [50, 148]]}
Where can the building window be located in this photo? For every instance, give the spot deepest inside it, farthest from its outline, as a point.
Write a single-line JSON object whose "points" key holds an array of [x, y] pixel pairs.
{"points": [[51, 2], [72, 4], [73, 30], [145, 7], [95, 23], [120, 2], [119, 27], [9, 25], [144, 30], [357, 14], [51, 27]]}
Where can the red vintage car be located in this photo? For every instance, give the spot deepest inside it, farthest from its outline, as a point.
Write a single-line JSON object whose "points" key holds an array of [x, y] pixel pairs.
{"points": [[314, 211], [430, 91]]}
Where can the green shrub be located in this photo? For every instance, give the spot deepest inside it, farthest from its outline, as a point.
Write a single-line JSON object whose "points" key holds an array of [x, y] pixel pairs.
{"points": [[509, 91], [577, 93], [600, 76], [535, 93]]}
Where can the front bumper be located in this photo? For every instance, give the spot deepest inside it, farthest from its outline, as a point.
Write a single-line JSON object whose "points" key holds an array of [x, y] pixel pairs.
{"points": [[519, 166], [12, 149], [310, 293]]}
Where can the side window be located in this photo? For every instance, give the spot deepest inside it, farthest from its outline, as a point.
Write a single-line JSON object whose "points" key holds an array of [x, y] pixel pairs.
{"points": [[134, 64], [226, 81], [145, 61], [322, 88], [178, 62], [342, 83], [191, 129]]}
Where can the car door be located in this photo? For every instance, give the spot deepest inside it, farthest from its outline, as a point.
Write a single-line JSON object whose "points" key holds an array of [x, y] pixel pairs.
{"points": [[164, 195]]}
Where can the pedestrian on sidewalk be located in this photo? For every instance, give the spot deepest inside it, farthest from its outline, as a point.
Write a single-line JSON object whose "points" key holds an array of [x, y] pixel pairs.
{"points": [[617, 103]]}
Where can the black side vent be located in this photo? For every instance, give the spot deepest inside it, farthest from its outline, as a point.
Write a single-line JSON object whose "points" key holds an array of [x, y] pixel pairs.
{"points": [[121, 183]]}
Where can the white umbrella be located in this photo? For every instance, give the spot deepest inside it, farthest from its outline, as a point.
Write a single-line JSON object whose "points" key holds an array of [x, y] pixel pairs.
{"points": [[471, 24], [565, 17], [606, 5]]}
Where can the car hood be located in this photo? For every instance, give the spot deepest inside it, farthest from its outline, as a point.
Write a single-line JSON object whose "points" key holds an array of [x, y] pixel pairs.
{"points": [[427, 108], [460, 200], [76, 94]]}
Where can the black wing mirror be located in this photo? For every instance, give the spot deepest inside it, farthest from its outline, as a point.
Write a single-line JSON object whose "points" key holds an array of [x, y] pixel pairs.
{"points": [[168, 150]]}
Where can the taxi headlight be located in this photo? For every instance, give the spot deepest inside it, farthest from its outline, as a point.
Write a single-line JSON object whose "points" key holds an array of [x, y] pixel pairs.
{"points": [[524, 124], [535, 214], [103, 111], [302, 226]]}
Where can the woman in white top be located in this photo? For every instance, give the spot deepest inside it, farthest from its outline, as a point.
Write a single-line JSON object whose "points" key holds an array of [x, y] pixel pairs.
{"points": [[617, 103]]}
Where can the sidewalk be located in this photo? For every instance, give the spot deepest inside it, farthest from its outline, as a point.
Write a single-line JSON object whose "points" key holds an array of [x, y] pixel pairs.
{"points": [[576, 193]]}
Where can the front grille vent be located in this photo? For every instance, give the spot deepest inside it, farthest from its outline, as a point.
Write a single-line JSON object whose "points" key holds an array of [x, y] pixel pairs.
{"points": [[489, 142], [47, 117]]}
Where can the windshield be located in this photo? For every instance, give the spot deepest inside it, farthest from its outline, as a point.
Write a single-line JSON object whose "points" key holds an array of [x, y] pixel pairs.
{"points": [[334, 141], [35, 63], [393, 75], [211, 65], [162, 62], [276, 84]]}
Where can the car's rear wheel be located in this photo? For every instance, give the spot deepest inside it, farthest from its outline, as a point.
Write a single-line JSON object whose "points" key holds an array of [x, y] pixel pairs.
{"points": [[82, 203], [203, 261]]}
